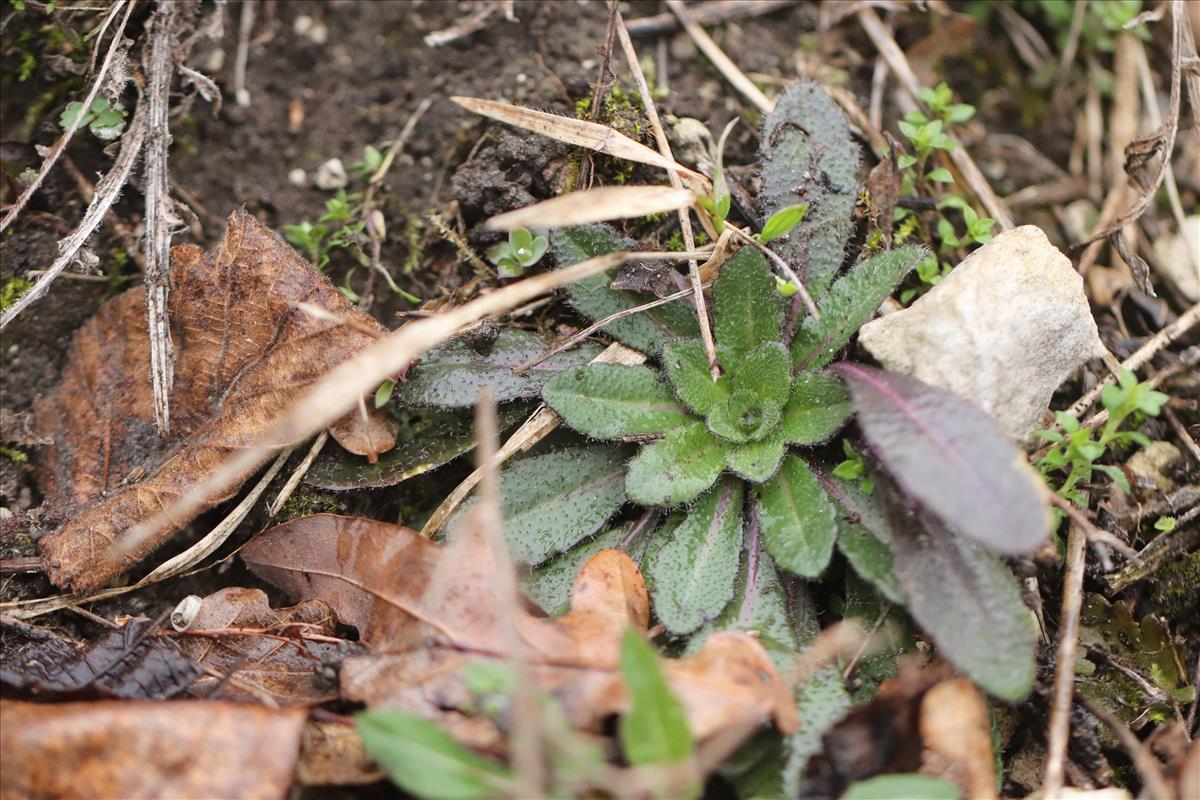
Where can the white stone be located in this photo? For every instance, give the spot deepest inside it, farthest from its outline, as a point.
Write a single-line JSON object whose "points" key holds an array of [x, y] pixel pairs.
{"points": [[1003, 330], [331, 175]]}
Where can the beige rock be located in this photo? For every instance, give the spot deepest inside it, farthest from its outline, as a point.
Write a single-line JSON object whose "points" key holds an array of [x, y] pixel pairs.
{"points": [[1003, 330]]}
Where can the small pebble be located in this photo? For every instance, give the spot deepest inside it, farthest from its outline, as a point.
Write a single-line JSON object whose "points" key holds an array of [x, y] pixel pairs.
{"points": [[298, 177], [331, 175]]}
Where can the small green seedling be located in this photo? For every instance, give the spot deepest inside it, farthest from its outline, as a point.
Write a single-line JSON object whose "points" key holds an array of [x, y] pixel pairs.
{"points": [[853, 468], [104, 121], [1077, 449], [521, 251], [1165, 524], [782, 222], [940, 103], [717, 205], [369, 164]]}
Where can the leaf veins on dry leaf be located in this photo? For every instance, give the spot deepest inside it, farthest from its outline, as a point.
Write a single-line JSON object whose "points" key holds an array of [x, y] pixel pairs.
{"points": [[425, 611], [245, 349]]}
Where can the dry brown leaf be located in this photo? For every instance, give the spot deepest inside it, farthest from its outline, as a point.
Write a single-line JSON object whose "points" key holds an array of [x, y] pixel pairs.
{"points": [[332, 754], [284, 657], [244, 352], [594, 205], [428, 610], [956, 731], [122, 749]]}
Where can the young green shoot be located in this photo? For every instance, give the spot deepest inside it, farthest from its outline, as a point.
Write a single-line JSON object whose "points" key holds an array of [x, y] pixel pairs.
{"points": [[521, 251]]}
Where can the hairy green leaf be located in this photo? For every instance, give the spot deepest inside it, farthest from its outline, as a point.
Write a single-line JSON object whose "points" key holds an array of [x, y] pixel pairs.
{"points": [[757, 461], [817, 409], [678, 468], [766, 372], [451, 375], [655, 729], [797, 519], [909, 787], [950, 455], [428, 438], [611, 401], [595, 299], [864, 535], [686, 364], [550, 584], [425, 761], [821, 702], [694, 570], [967, 600], [553, 500], [747, 309], [853, 300], [809, 158]]}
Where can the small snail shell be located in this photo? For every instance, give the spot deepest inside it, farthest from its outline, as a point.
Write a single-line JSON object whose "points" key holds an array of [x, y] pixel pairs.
{"points": [[185, 612]]}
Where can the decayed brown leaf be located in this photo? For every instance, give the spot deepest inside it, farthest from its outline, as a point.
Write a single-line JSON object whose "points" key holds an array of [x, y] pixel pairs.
{"points": [[284, 657], [120, 749], [244, 351], [427, 610]]}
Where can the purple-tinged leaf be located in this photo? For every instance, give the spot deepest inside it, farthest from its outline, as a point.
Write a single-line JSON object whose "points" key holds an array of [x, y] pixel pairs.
{"points": [[950, 456]]}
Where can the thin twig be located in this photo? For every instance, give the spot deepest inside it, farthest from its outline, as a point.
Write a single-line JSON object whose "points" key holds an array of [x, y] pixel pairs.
{"points": [[1149, 768], [114, 47], [1094, 534], [685, 221], [718, 58], [298, 474], [711, 13], [1064, 668], [576, 338], [157, 241], [784, 267], [106, 194], [245, 25]]}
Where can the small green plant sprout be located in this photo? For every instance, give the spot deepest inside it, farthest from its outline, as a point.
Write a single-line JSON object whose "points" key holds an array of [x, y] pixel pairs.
{"points": [[782, 222], [369, 164], [521, 251], [311, 239], [853, 468], [1164, 524], [940, 103], [1077, 449], [103, 120], [717, 205]]}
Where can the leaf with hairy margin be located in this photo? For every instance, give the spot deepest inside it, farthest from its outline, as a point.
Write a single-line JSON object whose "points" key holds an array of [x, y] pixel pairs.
{"points": [[612, 401], [678, 468], [797, 519], [747, 308], [686, 365], [549, 584], [951, 456], [451, 375], [595, 299], [956, 592], [766, 371], [850, 303], [757, 461], [809, 157], [694, 570], [818, 408], [554, 500], [864, 535], [821, 702]]}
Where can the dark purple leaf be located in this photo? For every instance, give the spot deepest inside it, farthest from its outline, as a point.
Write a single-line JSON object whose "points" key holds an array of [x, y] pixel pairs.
{"points": [[950, 456]]}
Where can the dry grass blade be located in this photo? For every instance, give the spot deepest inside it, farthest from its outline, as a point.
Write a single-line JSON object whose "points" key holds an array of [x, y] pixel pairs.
{"points": [[721, 61], [594, 205], [580, 133], [340, 389]]}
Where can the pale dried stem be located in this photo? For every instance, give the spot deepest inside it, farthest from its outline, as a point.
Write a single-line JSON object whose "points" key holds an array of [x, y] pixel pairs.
{"points": [[718, 58], [337, 392], [1064, 668], [61, 145], [1094, 534], [685, 221], [245, 25], [298, 474], [598, 325], [28, 609], [882, 38], [713, 12], [107, 190], [533, 430], [158, 213]]}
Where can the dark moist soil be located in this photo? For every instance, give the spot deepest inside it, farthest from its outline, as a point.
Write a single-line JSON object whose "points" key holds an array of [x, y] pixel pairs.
{"points": [[356, 88]]}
